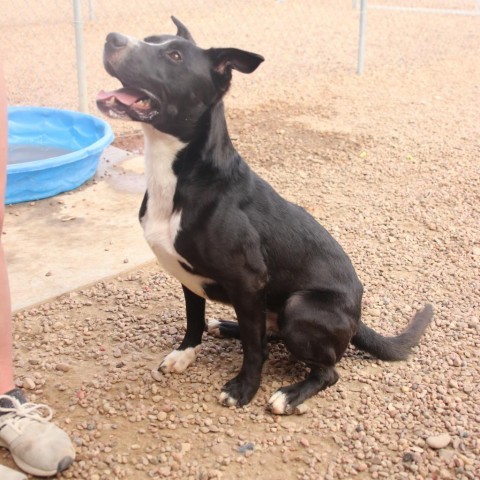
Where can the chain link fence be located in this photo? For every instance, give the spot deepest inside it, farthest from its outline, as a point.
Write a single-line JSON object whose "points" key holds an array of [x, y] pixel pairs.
{"points": [[436, 7], [38, 42], [300, 39]]}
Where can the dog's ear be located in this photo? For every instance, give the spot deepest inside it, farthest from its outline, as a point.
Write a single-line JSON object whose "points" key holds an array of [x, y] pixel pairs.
{"points": [[224, 59], [182, 30]]}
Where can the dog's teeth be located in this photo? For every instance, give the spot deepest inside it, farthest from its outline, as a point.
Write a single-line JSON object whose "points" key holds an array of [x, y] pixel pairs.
{"points": [[144, 103]]}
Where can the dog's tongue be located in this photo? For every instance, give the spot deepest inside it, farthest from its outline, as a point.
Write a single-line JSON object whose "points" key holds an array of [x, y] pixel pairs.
{"points": [[127, 96]]}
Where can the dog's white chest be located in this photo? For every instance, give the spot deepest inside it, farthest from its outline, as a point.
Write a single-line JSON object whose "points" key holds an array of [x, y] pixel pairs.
{"points": [[160, 224]]}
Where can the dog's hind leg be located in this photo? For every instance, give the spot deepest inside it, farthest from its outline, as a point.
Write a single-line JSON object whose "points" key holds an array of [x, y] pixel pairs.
{"points": [[229, 329], [317, 332], [178, 360], [223, 329], [286, 400]]}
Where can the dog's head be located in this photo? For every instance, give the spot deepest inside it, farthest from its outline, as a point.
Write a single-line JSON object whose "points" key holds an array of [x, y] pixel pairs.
{"points": [[168, 81]]}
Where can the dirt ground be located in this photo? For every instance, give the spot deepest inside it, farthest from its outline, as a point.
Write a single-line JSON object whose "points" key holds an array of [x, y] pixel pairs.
{"points": [[389, 164]]}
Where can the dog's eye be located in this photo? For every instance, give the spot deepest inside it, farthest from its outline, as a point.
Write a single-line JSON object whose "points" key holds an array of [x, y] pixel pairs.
{"points": [[175, 56]]}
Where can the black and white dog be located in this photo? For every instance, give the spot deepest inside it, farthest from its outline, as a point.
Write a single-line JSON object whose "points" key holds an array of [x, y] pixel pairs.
{"points": [[225, 234]]}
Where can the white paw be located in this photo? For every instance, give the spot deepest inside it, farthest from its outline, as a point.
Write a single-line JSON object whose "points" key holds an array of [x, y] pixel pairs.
{"points": [[279, 405], [178, 360], [213, 328], [227, 400]]}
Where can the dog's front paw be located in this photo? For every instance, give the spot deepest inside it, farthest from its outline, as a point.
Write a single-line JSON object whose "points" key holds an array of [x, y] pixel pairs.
{"points": [[178, 360], [283, 402], [238, 392]]}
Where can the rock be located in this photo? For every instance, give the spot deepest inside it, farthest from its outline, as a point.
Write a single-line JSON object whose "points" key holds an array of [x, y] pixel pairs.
{"points": [[304, 442], [361, 467], [221, 449], [116, 352], [439, 441], [246, 447], [162, 416], [407, 457], [301, 409], [447, 454], [186, 447], [62, 367], [28, 383]]}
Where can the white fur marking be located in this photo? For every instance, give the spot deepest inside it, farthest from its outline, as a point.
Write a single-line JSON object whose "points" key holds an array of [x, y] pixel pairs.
{"points": [[166, 42], [178, 360], [279, 406], [278, 403], [213, 328], [134, 42], [226, 399], [160, 224]]}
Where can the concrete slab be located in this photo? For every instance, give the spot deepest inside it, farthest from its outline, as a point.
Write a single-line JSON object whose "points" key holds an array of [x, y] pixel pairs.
{"points": [[62, 243]]}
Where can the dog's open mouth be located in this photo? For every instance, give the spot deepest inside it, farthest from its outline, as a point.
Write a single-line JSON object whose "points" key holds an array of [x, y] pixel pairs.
{"points": [[127, 103]]}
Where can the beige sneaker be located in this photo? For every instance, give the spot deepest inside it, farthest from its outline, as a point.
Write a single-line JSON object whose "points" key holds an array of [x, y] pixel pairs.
{"points": [[10, 474], [37, 446]]}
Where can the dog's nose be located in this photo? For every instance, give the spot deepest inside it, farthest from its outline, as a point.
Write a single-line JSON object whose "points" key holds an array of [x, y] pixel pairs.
{"points": [[117, 40]]}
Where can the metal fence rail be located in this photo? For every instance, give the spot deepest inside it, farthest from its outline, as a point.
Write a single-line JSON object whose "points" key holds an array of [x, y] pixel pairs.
{"points": [[443, 7], [51, 49]]}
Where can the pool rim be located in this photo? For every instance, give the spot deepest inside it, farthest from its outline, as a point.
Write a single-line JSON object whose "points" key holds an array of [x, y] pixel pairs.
{"points": [[97, 147]]}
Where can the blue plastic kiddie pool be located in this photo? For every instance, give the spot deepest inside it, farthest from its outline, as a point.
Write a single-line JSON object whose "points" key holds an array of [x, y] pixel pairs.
{"points": [[51, 151]]}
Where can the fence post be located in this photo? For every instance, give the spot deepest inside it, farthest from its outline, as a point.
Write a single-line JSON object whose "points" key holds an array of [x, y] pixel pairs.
{"points": [[361, 37], [91, 15], [81, 76]]}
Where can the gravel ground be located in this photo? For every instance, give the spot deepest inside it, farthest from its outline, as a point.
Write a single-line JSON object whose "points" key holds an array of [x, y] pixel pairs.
{"points": [[389, 164]]}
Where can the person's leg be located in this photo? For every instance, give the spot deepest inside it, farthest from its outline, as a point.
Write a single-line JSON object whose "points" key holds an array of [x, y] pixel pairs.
{"points": [[37, 445], [6, 353]]}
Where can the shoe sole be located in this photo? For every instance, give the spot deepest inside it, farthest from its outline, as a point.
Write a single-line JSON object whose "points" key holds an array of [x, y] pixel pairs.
{"points": [[63, 464]]}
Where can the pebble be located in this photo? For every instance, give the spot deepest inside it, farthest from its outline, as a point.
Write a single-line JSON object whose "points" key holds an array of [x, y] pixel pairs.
{"points": [[62, 367], [28, 383], [221, 449], [245, 447], [304, 442], [162, 416], [446, 454], [301, 409], [186, 447], [439, 441]]}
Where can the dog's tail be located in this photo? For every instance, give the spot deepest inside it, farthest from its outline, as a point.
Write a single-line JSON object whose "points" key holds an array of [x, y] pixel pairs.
{"points": [[393, 348]]}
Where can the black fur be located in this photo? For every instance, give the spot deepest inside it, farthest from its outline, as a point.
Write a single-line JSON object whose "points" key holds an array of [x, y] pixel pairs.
{"points": [[261, 253]]}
